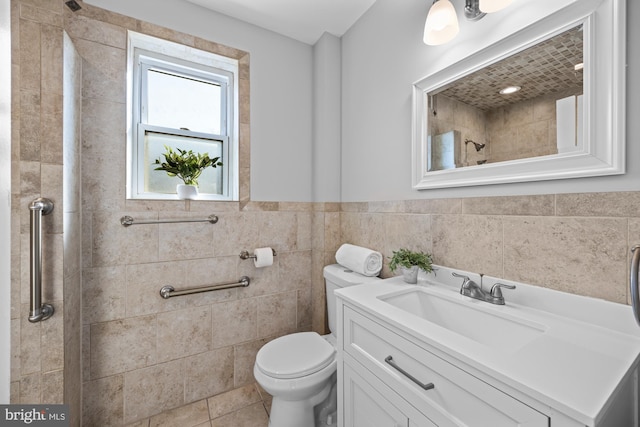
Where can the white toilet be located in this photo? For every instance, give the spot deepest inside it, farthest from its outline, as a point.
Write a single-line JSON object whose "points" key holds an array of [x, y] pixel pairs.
{"points": [[299, 370]]}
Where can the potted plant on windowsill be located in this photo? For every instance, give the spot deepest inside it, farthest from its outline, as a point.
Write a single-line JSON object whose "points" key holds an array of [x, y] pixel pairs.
{"points": [[410, 263], [188, 166]]}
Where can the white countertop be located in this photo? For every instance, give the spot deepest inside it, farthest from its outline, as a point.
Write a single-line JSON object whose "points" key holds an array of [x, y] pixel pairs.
{"points": [[586, 349]]}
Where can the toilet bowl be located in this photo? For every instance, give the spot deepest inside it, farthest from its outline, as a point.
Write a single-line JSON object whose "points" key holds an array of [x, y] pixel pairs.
{"points": [[299, 370]]}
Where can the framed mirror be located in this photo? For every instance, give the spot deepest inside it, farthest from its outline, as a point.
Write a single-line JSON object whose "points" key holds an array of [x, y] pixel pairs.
{"points": [[564, 118]]}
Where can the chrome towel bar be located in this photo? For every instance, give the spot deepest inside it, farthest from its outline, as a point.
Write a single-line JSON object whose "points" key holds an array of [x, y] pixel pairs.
{"points": [[633, 282], [37, 310], [128, 220], [169, 291]]}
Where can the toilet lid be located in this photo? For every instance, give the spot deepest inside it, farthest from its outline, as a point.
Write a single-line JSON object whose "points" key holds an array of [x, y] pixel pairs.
{"points": [[295, 355]]}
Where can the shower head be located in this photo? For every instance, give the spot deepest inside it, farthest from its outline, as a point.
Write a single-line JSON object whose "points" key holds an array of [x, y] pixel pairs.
{"points": [[478, 146], [73, 5]]}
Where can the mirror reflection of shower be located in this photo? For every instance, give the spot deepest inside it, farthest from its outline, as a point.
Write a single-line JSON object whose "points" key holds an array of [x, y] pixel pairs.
{"points": [[477, 145]]}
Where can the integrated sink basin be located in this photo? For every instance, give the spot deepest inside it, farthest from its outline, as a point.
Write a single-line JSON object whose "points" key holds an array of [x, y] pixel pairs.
{"points": [[486, 325]]}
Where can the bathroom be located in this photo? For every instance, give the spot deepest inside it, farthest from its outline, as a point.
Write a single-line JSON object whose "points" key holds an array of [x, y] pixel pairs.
{"points": [[117, 353]]}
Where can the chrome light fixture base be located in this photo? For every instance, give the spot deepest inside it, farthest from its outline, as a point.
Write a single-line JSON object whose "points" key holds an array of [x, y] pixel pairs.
{"points": [[472, 10]]}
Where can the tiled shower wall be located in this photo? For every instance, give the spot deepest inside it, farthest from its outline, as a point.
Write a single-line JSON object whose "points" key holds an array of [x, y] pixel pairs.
{"points": [[45, 356]]}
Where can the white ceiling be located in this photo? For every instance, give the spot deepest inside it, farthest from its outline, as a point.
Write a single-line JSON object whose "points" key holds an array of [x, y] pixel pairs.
{"points": [[303, 20]]}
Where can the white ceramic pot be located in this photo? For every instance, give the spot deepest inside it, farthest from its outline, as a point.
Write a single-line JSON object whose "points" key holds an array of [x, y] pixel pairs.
{"points": [[187, 191], [410, 275]]}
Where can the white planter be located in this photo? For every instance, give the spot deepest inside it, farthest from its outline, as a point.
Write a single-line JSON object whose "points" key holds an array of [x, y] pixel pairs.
{"points": [[187, 191], [410, 275]]}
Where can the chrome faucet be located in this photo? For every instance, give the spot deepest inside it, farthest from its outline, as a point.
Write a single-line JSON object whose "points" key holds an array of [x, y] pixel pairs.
{"points": [[471, 289]]}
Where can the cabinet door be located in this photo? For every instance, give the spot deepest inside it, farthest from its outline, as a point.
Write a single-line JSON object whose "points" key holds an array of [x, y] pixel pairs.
{"points": [[366, 407], [371, 403]]}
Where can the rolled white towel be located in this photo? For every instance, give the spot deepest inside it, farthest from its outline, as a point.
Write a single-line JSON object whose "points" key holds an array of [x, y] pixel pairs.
{"points": [[361, 260]]}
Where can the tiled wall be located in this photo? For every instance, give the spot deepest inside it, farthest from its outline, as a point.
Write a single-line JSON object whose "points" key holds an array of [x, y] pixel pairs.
{"points": [[523, 130], [577, 243], [45, 154]]}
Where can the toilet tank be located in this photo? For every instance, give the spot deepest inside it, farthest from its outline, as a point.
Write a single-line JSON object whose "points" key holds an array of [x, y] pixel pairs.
{"points": [[336, 277]]}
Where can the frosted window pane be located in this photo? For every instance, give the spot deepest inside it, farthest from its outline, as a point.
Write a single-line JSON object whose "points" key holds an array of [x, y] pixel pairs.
{"points": [[210, 182], [179, 102]]}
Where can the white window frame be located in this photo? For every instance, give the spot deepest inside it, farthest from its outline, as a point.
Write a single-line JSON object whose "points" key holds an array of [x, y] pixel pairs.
{"points": [[146, 52]]}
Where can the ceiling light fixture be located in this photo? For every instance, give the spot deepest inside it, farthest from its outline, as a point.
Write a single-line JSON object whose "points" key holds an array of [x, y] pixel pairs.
{"points": [[442, 26], [509, 90]]}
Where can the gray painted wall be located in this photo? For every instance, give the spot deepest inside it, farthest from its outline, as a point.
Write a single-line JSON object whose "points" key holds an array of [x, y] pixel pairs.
{"points": [[383, 54]]}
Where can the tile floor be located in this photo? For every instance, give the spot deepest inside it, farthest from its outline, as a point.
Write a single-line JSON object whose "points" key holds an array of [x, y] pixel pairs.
{"points": [[247, 406]]}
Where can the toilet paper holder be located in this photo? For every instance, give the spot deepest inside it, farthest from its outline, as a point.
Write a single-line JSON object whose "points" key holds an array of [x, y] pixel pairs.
{"points": [[246, 255]]}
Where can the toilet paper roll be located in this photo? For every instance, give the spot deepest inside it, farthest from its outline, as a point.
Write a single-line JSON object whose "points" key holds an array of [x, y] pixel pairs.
{"points": [[264, 257]]}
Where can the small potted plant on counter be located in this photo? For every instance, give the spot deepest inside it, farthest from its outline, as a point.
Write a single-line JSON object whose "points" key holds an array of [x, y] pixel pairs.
{"points": [[188, 166], [410, 263]]}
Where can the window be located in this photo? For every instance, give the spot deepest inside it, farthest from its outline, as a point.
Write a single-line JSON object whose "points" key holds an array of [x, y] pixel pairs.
{"points": [[185, 98]]}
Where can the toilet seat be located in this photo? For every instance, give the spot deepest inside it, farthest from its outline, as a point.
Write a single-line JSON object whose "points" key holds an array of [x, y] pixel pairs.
{"points": [[295, 355]]}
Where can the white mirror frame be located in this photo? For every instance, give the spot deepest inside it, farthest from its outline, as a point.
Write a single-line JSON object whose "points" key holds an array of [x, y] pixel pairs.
{"points": [[603, 121]]}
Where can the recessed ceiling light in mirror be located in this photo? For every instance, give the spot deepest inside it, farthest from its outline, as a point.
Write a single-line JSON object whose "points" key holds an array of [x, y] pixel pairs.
{"points": [[509, 90]]}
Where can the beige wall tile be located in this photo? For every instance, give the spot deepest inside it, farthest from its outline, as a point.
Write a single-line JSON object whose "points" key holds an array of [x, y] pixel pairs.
{"points": [[362, 229], [277, 314], [151, 390], [185, 240], [278, 230], [236, 232], [208, 374], [122, 345], [83, 27], [52, 387], [620, 204], [294, 270], [104, 62], [113, 244], [231, 401], [183, 333], [576, 255], [244, 360], [31, 389], [406, 231], [186, 416], [251, 416], [103, 402], [234, 322], [468, 242], [52, 358], [304, 314], [103, 294], [540, 205]]}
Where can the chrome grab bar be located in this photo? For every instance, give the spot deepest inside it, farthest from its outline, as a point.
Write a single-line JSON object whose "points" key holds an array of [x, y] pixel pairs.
{"points": [[633, 282], [169, 291], [37, 310], [128, 220], [422, 385]]}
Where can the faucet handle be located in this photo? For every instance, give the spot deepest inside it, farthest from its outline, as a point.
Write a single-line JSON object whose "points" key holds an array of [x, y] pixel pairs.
{"points": [[496, 292], [462, 276]]}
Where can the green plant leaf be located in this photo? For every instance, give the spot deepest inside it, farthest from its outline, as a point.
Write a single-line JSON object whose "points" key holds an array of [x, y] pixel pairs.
{"points": [[185, 164], [406, 258]]}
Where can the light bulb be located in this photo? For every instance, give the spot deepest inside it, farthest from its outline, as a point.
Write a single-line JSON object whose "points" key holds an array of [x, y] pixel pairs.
{"points": [[441, 25], [490, 6]]}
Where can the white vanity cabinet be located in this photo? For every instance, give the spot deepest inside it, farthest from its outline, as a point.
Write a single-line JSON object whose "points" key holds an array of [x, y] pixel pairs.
{"points": [[398, 366], [391, 362]]}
